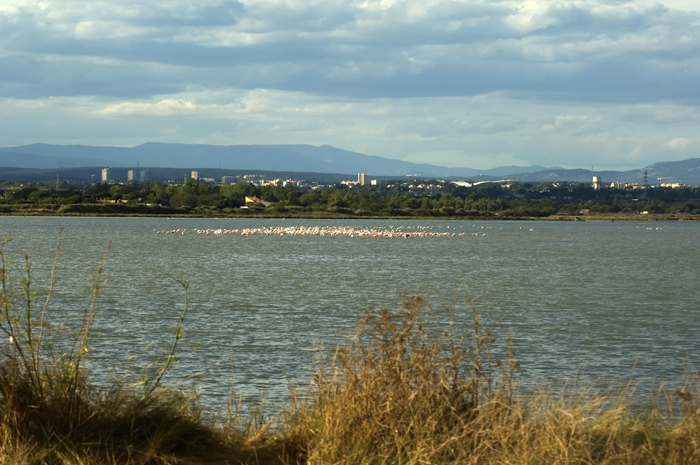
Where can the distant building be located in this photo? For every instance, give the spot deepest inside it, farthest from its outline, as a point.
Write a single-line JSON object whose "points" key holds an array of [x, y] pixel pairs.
{"points": [[194, 175], [143, 175], [228, 179], [130, 176], [105, 174], [363, 179], [597, 183]]}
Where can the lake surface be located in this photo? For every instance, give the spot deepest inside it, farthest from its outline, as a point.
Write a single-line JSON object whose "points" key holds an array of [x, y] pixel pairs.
{"points": [[617, 300]]}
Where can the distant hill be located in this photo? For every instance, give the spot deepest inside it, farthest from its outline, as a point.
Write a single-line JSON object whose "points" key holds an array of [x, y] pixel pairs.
{"points": [[171, 161], [684, 172], [296, 158], [19, 159]]}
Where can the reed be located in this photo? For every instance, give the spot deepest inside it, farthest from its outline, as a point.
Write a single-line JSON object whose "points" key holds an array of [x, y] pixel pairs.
{"points": [[411, 385]]}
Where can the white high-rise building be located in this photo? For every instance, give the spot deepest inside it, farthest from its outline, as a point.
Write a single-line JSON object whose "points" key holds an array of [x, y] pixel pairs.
{"points": [[363, 179], [105, 174]]}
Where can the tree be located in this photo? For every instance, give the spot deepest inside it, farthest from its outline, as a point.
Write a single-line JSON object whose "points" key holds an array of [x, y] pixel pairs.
{"points": [[238, 191], [39, 196], [117, 192]]}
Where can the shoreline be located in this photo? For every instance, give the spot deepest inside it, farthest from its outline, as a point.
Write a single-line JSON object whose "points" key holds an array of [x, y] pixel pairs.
{"points": [[157, 212]]}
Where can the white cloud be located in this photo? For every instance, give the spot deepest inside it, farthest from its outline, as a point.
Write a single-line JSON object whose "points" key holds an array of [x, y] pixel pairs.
{"points": [[686, 5], [565, 121], [167, 107], [680, 143]]}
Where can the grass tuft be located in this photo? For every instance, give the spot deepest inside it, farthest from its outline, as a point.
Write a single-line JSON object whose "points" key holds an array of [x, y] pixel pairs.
{"points": [[404, 388]]}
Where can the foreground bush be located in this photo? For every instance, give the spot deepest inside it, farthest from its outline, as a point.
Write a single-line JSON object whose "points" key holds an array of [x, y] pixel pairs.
{"points": [[409, 386]]}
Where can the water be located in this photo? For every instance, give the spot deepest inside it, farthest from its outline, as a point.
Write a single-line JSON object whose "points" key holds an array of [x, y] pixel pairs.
{"points": [[617, 300]]}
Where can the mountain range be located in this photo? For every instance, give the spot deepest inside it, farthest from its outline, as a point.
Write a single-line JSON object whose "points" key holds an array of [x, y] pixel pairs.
{"points": [[46, 158]]}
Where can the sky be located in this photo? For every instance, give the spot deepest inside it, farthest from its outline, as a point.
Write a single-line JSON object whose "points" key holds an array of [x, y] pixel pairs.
{"points": [[603, 84]]}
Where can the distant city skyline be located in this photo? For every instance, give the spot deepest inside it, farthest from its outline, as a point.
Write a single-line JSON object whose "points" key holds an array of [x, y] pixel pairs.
{"points": [[471, 83]]}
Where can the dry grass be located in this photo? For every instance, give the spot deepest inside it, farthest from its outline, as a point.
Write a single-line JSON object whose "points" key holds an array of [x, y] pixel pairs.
{"points": [[49, 413], [407, 388], [410, 386], [402, 388]]}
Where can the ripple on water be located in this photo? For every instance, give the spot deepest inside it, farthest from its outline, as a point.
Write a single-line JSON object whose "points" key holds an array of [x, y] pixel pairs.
{"points": [[608, 299]]}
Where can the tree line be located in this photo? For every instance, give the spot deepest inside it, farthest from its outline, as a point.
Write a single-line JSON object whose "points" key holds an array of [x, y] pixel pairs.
{"points": [[432, 199]]}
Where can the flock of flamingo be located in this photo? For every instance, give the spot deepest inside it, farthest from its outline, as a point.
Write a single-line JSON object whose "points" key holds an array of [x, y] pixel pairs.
{"points": [[334, 231], [389, 232]]}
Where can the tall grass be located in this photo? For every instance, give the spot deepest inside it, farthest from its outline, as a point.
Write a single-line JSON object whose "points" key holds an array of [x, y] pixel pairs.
{"points": [[411, 385], [402, 388], [51, 413], [410, 388]]}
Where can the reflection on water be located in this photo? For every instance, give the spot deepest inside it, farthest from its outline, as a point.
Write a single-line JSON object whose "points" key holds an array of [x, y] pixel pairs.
{"points": [[617, 300]]}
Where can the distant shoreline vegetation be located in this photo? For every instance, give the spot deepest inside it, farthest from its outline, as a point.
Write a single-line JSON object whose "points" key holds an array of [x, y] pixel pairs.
{"points": [[424, 199]]}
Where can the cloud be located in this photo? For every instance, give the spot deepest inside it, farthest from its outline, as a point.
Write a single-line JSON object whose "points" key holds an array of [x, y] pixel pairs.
{"points": [[480, 132], [566, 121], [510, 80], [361, 49], [679, 143], [166, 107]]}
